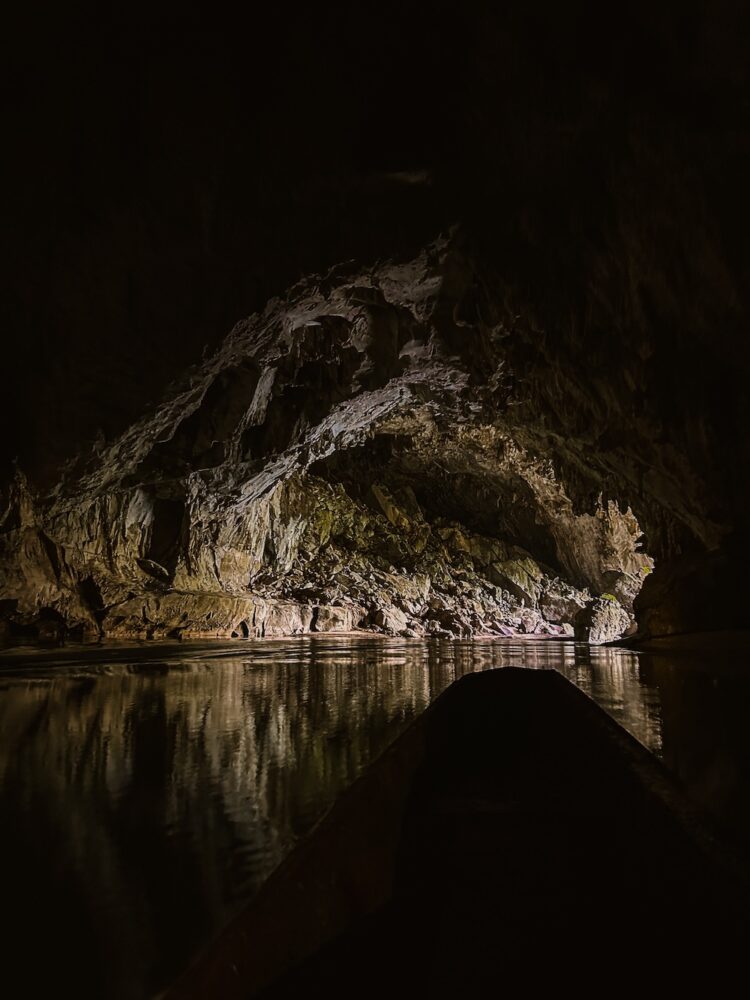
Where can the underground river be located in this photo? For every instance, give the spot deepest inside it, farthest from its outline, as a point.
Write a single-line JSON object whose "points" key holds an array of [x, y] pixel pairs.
{"points": [[144, 800]]}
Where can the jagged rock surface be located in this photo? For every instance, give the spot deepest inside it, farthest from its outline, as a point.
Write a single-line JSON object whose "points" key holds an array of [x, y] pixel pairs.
{"points": [[602, 621], [371, 451]]}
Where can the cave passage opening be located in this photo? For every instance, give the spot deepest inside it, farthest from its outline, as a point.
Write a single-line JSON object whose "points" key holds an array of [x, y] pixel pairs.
{"points": [[498, 542]]}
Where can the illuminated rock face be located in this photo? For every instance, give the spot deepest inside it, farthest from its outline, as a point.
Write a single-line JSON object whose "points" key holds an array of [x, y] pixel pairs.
{"points": [[357, 456], [363, 421]]}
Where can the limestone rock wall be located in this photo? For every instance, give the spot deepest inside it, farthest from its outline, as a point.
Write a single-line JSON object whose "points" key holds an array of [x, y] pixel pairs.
{"points": [[372, 451]]}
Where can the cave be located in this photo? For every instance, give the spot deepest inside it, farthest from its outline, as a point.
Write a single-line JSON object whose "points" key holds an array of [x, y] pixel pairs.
{"points": [[401, 345], [549, 336], [244, 631], [166, 534]]}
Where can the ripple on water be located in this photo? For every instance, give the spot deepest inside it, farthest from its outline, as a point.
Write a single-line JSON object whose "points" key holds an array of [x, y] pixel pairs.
{"points": [[148, 800]]}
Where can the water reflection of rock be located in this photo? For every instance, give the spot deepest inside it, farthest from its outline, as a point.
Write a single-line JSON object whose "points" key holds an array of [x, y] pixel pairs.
{"points": [[161, 795]]}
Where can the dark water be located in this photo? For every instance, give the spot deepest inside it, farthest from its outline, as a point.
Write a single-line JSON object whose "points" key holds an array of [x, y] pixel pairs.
{"points": [[143, 803]]}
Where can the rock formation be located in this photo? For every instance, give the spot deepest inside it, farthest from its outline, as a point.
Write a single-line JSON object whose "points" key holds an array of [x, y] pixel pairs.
{"points": [[502, 403], [363, 454]]}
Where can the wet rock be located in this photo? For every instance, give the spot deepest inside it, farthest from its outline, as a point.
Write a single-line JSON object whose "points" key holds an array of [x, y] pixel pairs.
{"points": [[454, 621], [560, 602], [603, 620], [521, 577], [283, 618], [336, 619], [391, 620], [530, 621], [436, 630]]}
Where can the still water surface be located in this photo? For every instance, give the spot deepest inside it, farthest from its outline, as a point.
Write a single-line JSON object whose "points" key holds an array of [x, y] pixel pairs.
{"points": [[144, 802]]}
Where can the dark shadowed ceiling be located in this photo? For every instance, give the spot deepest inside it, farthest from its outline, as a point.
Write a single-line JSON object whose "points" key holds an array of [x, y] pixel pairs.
{"points": [[168, 174]]}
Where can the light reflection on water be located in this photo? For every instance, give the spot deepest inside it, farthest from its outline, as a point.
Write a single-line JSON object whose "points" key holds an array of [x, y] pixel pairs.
{"points": [[145, 802]]}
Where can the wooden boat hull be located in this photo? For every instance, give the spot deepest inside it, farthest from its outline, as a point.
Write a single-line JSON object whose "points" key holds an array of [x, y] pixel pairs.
{"points": [[514, 829]]}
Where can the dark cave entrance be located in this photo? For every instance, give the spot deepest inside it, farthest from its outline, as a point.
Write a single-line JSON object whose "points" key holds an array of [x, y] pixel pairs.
{"points": [[166, 533], [580, 567]]}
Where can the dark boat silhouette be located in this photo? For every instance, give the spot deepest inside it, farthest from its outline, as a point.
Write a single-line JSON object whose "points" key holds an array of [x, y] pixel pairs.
{"points": [[515, 837]]}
